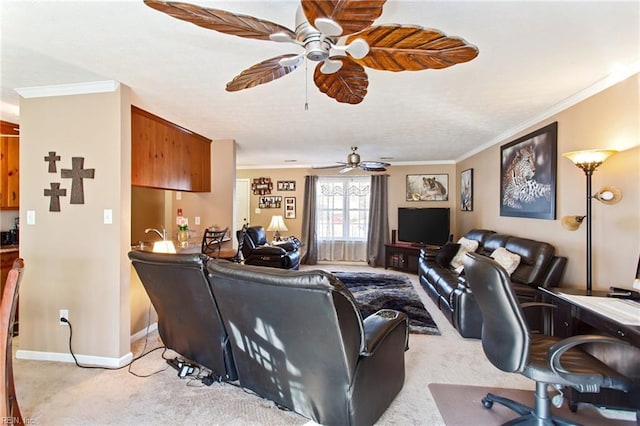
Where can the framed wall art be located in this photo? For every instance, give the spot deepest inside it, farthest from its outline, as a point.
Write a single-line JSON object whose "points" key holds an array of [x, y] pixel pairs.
{"points": [[290, 207], [262, 186], [428, 187], [270, 202], [528, 175], [286, 185], [466, 190]]}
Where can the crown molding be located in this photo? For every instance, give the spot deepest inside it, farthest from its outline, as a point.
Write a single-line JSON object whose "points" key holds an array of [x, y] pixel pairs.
{"points": [[105, 86], [601, 85]]}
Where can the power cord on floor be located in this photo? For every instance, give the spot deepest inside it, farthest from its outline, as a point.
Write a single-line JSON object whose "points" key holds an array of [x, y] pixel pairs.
{"points": [[128, 365]]}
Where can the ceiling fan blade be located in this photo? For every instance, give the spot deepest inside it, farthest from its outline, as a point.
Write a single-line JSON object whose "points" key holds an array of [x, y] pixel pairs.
{"points": [[351, 15], [223, 21], [261, 73], [330, 167], [374, 164], [373, 169], [347, 169], [412, 48], [347, 85]]}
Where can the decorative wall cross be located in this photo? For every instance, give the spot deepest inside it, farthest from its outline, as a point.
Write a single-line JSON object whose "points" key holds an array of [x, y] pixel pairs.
{"points": [[55, 193], [76, 174], [52, 158]]}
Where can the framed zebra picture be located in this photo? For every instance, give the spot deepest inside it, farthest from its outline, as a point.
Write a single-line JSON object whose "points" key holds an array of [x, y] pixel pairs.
{"points": [[466, 190], [528, 175]]}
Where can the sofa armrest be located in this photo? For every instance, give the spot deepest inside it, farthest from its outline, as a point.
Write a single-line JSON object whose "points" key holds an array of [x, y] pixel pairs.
{"points": [[554, 274], [268, 250], [287, 245], [378, 325], [427, 254], [463, 284]]}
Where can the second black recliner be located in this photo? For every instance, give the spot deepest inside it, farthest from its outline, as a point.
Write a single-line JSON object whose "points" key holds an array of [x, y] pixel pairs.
{"points": [[256, 251]]}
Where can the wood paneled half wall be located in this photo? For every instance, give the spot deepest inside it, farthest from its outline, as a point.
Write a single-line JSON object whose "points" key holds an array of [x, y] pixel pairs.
{"points": [[165, 155]]}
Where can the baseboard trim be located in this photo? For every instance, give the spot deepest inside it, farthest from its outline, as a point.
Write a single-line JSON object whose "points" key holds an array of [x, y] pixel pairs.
{"points": [[89, 360], [142, 333]]}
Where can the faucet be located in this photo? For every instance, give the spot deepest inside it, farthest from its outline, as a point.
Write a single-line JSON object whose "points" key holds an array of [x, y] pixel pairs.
{"points": [[162, 234]]}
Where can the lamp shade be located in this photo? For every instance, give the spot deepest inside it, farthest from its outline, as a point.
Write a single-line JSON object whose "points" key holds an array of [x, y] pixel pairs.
{"points": [[571, 223], [608, 195], [590, 159], [277, 224]]}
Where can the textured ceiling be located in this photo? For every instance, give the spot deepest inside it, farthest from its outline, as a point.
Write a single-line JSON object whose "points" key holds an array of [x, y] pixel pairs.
{"points": [[533, 56]]}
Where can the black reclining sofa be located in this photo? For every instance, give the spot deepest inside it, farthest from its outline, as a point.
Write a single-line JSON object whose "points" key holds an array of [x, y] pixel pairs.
{"points": [[539, 266], [294, 337], [189, 322]]}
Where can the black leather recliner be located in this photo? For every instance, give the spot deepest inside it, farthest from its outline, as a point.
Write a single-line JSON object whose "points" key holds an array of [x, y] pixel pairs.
{"points": [[299, 340], [189, 321], [256, 251], [511, 347]]}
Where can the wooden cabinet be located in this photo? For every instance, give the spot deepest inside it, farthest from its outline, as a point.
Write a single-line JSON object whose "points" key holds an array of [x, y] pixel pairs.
{"points": [[165, 155], [403, 257], [9, 166]]}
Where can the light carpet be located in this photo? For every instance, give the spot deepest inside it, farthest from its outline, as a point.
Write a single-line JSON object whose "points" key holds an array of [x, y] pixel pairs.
{"points": [[55, 393]]}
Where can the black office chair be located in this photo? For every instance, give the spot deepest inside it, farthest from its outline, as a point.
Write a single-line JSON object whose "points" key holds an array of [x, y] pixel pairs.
{"points": [[511, 347]]}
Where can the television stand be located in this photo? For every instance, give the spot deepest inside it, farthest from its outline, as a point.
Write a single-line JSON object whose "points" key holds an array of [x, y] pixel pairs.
{"points": [[403, 256]]}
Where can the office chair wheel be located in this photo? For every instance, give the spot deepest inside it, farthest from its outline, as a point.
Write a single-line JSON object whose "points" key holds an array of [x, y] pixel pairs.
{"points": [[487, 402]]}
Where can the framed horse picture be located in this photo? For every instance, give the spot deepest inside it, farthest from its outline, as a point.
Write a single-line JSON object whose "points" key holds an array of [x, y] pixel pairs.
{"points": [[528, 175]]}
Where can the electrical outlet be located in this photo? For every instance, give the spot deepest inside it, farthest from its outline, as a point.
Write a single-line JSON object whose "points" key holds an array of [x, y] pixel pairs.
{"points": [[64, 313]]}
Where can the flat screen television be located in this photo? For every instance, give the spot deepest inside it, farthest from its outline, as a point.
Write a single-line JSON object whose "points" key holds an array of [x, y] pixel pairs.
{"points": [[423, 225]]}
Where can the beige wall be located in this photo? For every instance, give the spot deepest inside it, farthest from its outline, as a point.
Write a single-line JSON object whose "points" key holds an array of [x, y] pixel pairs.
{"points": [[609, 119], [397, 196], [72, 259]]}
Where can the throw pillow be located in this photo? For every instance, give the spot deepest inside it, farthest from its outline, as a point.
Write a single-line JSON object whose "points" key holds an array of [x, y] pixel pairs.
{"points": [[509, 261], [446, 253], [466, 245]]}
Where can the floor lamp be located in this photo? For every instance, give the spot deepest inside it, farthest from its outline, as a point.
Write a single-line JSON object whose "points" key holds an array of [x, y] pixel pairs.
{"points": [[588, 161]]}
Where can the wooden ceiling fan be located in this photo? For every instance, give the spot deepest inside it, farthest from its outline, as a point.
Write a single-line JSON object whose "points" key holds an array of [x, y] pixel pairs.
{"points": [[353, 162], [338, 34]]}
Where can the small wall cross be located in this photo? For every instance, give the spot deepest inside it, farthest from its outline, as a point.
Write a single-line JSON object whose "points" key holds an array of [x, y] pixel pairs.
{"points": [[76, 174], [52, 158], [55, 193]]}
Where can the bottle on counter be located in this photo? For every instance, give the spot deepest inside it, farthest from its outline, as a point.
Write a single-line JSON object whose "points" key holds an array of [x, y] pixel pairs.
{"points": [[183, 232]]}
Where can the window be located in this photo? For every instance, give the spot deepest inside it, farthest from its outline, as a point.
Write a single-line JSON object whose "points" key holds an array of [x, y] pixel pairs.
{"points": [[343, 208]]}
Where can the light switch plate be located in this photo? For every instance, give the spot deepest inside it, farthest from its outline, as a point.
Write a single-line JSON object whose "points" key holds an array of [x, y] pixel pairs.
{"points": [[108, 216], [197, 220], [31, 217]]}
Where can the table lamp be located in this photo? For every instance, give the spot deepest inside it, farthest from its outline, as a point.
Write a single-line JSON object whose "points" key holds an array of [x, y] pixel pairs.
{"points": [[277, 225]]}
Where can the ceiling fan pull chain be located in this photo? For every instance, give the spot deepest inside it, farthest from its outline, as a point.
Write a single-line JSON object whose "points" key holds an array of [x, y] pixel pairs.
{"points": [[306, 85]]}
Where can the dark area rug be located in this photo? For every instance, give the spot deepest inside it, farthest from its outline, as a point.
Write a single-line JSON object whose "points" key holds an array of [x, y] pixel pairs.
{"points": [[461, 405], [385, 291]]}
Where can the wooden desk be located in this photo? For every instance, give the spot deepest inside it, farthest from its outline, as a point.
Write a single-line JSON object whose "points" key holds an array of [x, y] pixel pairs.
{"points": [[571, 318]]}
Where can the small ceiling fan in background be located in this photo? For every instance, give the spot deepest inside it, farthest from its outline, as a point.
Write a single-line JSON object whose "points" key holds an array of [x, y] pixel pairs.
{"points": [[339, 35], [353, 162]]}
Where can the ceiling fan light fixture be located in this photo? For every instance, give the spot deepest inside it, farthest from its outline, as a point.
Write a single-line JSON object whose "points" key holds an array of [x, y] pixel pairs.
{"points": [[281, 37], [328, 26], [358, 48], [330, 66]]}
